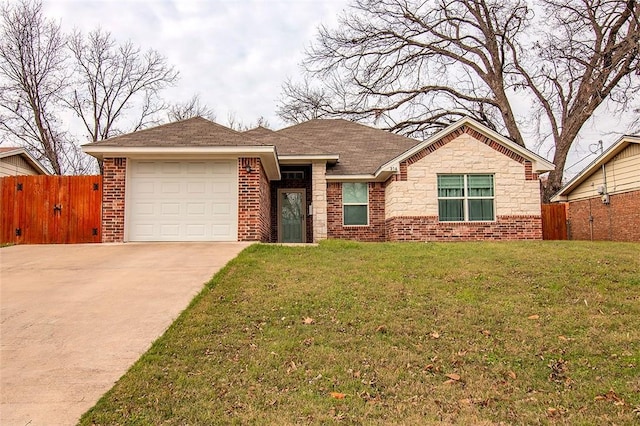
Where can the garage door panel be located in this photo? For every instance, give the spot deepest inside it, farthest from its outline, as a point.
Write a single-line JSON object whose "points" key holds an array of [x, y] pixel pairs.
{"points": [[221, 209], [171, 187], [223, 168], [170, 209], [146, 167], [196, 187], [195, 230], [220, 230], [196, 168], [182, 201], [143, 231], [196, 209], [171, 167]]}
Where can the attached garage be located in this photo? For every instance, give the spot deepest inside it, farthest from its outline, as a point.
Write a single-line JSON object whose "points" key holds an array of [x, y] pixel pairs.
{"points": [[187, 200]]}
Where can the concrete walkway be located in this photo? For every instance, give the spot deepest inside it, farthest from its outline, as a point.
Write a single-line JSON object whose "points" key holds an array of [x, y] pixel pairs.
{"points": [[76, 317]]}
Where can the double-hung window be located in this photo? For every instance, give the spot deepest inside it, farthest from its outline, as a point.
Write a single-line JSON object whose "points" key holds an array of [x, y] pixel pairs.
{"points": [[355, 203], [465, 198]]}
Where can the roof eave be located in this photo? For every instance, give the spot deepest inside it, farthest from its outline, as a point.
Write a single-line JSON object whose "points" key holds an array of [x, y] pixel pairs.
{"points": [[266, 153], [28, 158], [308, 159], [379, 176], [612, 151]]}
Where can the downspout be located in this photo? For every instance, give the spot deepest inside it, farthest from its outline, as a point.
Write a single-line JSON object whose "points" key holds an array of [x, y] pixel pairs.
{"points": [[590, 222]]}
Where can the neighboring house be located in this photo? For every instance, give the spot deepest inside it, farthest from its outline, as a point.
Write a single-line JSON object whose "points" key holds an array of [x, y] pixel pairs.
{"points": [[604, 199], [16, 161], [195, 180]]}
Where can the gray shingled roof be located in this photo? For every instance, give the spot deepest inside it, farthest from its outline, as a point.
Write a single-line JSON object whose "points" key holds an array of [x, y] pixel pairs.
{"points": [[195, 131], [362, 149], [284, 144]]}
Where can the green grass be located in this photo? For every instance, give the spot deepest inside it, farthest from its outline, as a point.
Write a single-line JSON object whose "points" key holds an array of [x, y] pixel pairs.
{"points": [[464, 333]]}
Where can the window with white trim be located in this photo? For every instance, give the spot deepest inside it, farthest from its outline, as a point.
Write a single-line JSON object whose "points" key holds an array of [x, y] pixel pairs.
{"points": [[355, 203], [466, 198]]}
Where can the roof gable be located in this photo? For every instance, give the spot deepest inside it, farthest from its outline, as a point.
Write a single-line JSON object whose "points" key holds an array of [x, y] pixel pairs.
{"points": [[479, 132], [615, 149], [22, 152]]}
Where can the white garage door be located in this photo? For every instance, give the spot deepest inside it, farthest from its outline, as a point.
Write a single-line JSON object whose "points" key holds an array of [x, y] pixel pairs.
{"points": [[182, 201]]}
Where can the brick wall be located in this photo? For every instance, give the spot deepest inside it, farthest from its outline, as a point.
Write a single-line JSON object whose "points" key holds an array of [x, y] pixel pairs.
{"points": [[427, 228], [375, 231], [254, 202], [617, 221], [113, 194]]}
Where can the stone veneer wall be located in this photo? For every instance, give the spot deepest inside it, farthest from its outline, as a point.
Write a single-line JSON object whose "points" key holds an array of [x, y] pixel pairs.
{"points": [[375, 231], [319, 200], [254, 202], [412, 196], [113, 198], [617, 221]]}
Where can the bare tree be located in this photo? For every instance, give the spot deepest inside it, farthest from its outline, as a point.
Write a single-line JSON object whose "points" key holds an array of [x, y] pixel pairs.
{"points": [[116, 82], [238, 125], [32, 77], [418, 65], [189, 109]]}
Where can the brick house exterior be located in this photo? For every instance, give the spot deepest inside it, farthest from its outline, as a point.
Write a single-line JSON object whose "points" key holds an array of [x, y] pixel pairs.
{"points": [[603, 200], [288, 185]]}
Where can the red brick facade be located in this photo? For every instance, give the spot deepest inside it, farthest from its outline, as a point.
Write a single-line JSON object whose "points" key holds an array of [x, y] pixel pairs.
{"points": [[617, 221], [373, 232], [428, 228], [113, 193], [254, 202]]}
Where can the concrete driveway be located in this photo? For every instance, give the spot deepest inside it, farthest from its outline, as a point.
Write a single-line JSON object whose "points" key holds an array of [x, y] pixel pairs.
{"points": [[76, 317]]}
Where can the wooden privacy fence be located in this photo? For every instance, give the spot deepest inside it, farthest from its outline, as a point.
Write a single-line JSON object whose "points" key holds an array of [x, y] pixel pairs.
{"points": [[554, 221], [50, 209]]}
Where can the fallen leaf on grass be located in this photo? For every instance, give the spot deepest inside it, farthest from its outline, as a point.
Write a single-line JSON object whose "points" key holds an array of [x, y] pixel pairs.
{"points": [[382, 329], [486, 332], [610, 396], [533, 317], [453, 376], [308, 321], [435, 335], [337, 395], [512, 375]]}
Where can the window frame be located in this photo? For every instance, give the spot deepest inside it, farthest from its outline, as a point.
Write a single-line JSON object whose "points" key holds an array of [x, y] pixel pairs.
{"points": [[345, 204], [465, 197]]}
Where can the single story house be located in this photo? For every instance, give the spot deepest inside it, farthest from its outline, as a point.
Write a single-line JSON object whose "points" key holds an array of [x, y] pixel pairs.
{"points": [[603, 200], [16, 161], [195, 180]]}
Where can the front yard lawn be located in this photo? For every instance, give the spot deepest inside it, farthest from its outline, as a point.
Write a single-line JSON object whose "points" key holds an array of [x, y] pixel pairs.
{"points": [[464, 333]]}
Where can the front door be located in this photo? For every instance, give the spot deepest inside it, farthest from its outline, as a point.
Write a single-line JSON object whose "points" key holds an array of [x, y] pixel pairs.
{"points": [[291, 216]]}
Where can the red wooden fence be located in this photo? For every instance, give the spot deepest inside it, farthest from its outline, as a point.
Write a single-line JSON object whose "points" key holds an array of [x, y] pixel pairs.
{"points": [[554, 221], [50, 209]]}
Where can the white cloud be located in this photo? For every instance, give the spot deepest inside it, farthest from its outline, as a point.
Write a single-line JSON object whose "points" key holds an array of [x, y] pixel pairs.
{"points": [[235, 54]]}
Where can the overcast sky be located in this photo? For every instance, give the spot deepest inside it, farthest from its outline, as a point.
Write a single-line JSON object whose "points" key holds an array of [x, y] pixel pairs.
{"points": [[235, 54]]}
